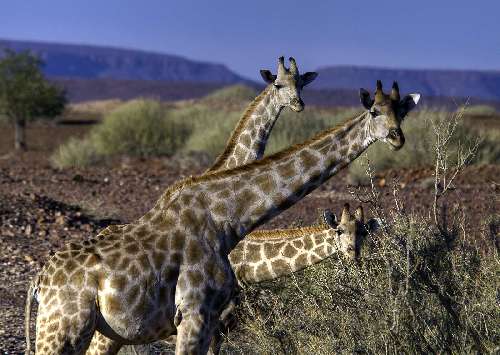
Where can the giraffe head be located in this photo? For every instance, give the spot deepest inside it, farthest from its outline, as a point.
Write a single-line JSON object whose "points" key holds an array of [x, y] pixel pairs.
{"points": [[387, 113], [288, 84], [351, 230]]}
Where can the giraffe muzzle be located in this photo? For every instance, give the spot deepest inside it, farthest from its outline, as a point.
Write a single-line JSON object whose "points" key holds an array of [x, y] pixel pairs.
{"points": [[396, 138], [297, 105]]}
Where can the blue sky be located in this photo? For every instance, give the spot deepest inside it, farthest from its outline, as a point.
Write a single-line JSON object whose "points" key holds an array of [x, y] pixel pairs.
{"points": [[250, 35]]}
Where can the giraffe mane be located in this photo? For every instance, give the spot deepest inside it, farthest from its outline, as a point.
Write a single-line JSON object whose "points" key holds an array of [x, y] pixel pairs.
{"points": [[237, 131], [291, 233]]}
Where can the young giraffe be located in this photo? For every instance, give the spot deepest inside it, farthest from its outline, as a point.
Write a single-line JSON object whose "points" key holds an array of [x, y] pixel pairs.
{"points": [[248, 141], [172, 270]]}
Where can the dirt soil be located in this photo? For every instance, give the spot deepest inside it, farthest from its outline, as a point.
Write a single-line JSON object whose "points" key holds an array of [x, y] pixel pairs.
{"points": [[42, 208]]}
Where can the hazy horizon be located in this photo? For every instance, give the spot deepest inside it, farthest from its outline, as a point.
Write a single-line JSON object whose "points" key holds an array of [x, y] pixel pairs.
{"points": [[250, 36]]}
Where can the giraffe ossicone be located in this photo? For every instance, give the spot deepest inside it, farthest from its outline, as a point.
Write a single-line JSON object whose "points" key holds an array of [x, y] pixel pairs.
{"points": [[170, 272]]}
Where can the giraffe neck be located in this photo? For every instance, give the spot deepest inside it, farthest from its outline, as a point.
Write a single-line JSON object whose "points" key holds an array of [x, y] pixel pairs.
{"points": [[248, 140], [257, 192], [267, 255]]}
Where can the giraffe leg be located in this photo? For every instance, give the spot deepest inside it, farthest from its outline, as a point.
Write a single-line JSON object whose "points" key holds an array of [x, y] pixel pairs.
{"points": [[194, 333], [65, 329], [102, 345]]}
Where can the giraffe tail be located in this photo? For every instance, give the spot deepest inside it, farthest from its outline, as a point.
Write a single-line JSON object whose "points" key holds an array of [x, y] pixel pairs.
{"points": [[27, 312]]}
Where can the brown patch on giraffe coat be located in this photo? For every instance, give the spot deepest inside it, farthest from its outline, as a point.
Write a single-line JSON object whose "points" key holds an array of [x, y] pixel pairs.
{"points": [[112, 304], [319, 238], [298, 244], [195, 278], [186, 198], [162, 243], [245, 140], [220, 209], [77, 279], [308, 160], [315, 258], [287, 170], [280, 267], [289, 251], [271, 250], [118, 282], [239, 152], [132, 248], [194, 252], [163, 222], [356, 147], [243, 200], [224, 194], [59, 278], [262, 272], [170, 274], [70, 266], [178, 240], [189, 220], [266, 183], [141, 231], [132, 294], [158, 259], [252, 252], [202, 199], [147, 217], [343, 151], [301, 260], [112, 260], [308, 243], [143, 261]]}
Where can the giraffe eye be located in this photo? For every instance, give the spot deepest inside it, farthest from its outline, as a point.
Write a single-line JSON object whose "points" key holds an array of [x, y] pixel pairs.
{"points": [[278, 86], [374, 113], [339, 232]]}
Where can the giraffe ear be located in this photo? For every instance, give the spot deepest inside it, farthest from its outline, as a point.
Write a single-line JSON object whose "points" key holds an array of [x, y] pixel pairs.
{"points": [[330, 218], [268, 76], [373, 225], [408, 103], [308, 77], [365, 98]]}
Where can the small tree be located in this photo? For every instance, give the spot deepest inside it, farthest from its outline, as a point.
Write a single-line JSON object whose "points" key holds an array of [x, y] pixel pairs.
{"points": [[25, 94]]}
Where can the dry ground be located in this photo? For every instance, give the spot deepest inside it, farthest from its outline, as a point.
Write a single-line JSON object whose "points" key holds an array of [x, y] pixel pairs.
{"points": [[41, 208]]}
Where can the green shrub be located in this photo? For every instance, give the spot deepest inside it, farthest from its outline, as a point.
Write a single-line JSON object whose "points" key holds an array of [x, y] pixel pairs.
{"points": [[481, 110], [139, 128], [231, 94], [75, 153]]}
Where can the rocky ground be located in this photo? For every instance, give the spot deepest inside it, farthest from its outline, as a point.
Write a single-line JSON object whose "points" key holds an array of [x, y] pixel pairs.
{"points": [[42, 208]]}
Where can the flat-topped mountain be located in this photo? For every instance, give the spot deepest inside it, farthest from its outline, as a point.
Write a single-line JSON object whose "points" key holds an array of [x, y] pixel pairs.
{"points": [[451, 83], [96, 62]]}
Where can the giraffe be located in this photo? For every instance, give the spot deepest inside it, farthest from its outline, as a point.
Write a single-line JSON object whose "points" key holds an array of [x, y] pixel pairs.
{"points": [[248, 140], [171, 273]]}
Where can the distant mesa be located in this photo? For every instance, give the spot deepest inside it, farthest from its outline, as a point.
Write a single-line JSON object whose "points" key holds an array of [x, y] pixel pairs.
{"points": [[95, 62], [430, 82]]}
